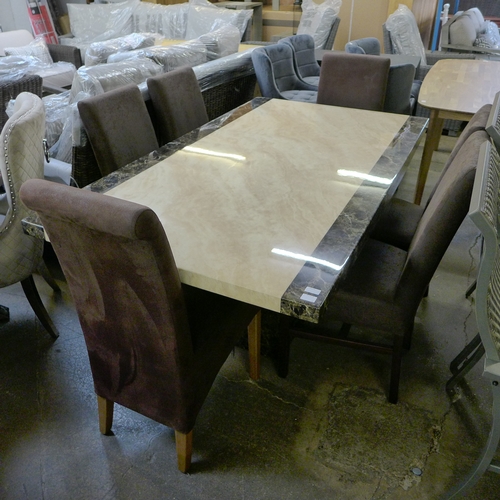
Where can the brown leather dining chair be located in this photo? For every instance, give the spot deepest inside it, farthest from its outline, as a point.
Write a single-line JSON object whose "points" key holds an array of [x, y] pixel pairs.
{"points": [[155, 345], [353, 81], [118, 127], [384, 287], [177, 103]]}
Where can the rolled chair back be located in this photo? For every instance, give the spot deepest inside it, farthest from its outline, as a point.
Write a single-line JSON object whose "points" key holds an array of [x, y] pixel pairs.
{"points": [[178, 104], [118, 126]]}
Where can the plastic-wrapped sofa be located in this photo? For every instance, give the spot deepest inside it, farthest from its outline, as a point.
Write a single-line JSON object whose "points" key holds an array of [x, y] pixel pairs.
{"points": [[185, 21]]}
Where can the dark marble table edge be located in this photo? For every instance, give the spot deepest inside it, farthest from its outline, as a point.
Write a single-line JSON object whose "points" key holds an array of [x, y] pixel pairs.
{"points": [[351, 227]]}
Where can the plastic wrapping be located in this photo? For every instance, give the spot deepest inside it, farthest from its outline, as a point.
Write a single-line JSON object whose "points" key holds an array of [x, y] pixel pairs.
{"points": [[190, 53], [96, 22], [13, 67], [317, 20], [221, 42], [204, 17], [489, 37], [37, 48], [228, 68], [98, 52], [56, 74], [56, 113], [213, 45], [96, 80], [404, 33], [168, 20]]}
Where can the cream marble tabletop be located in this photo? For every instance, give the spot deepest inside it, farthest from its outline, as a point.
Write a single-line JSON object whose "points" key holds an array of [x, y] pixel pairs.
{"points": [[454, 89], [270, 208]]}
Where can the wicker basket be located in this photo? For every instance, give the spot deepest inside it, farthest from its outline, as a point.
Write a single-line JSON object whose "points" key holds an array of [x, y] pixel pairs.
{"points": [[10, 89]]}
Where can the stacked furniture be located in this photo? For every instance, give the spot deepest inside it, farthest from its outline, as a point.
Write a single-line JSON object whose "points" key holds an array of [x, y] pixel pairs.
{"points": [[469, 32]]}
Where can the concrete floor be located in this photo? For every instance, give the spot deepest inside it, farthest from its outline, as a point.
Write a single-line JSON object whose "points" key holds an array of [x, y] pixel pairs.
{"points": [[326, 431]]}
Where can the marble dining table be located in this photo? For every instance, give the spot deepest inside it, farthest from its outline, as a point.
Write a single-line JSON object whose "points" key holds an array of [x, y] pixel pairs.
{"points": [[270, 204]]}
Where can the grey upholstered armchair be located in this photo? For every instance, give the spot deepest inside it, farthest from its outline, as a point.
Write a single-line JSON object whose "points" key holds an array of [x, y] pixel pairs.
{"points": [[276, 74]]}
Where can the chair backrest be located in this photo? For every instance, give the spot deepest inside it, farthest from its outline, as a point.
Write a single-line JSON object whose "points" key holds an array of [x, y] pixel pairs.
{"points": [[368, 45], [477, 122], [177, 102], [442, 217], [399, 87], [14, 38], [126, 288], [21, 159], [353, 81], [274, 70], [118, 126], [485, 213], [493, 123], [304, 58]]}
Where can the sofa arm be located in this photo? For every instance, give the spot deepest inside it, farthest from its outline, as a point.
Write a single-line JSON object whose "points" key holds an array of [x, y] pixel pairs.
{"points": [[65, 53]]}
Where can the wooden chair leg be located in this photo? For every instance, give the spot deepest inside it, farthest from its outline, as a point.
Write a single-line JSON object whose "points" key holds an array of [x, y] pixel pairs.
{"points": [[254, 334], [184, 447], [36, 303], [105, 410]]}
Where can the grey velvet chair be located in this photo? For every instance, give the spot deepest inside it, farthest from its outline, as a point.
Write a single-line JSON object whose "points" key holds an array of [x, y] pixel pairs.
{"points": [[485, 213], [118, 126], [155, 346], [276, 74], [22, 159], [368, 45], [177, 102], [384, 287], [400, 219], [353, 81], [304, 58]]}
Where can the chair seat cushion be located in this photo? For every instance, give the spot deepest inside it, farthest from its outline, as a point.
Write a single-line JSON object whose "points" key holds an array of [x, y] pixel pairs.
{"points": [[311, 80], [367, 297], [300, 95], [398, 223]]}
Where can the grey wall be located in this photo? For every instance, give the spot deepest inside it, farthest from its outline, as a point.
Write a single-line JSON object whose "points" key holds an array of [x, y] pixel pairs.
{"points": [[14, 15]]}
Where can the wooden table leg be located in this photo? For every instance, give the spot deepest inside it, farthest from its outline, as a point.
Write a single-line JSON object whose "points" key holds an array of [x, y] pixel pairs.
{"points": [[431, 143]]}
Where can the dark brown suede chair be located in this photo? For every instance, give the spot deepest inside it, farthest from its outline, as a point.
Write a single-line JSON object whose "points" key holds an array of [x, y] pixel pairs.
{"points": [[384, 287], [154, 345], [118, 127], [177, 102], [399, 222], [353, 81]]}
